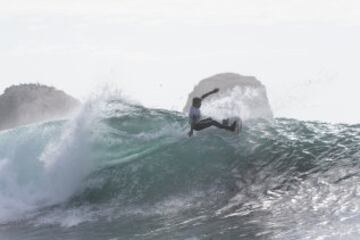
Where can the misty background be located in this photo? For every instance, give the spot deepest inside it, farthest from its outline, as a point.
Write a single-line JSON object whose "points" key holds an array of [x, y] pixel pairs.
{"points": [[305, 52]]}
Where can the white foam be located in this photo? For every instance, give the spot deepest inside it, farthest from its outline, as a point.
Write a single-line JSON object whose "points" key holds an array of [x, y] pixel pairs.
{"points": [[67, 161], [31, 179], [236, 102], [66, 218]]}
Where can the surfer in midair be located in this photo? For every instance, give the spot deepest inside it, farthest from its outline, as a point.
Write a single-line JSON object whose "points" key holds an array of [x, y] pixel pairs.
{"points": [[197, 124]]}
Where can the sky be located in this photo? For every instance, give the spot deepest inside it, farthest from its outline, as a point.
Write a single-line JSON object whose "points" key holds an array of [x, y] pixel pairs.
{"points": [[305, 52]]}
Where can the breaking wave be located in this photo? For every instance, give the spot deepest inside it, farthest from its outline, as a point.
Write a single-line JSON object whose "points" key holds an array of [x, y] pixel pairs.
{"points": [[122, 171]]}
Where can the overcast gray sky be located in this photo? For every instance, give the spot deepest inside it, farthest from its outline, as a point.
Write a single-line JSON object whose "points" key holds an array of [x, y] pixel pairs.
{"points": [[305, 52]]}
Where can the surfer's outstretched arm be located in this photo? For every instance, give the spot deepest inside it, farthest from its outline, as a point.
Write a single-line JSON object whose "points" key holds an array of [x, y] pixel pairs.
{"points": [[190, 133], [209, 93]]}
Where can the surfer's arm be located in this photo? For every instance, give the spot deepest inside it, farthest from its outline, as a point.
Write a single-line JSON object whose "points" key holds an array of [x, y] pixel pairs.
{"points": [[190, 133], [209, 93]]}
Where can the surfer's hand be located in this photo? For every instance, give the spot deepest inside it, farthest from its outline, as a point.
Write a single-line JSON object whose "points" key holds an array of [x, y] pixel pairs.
{"points": [[215, 90]]}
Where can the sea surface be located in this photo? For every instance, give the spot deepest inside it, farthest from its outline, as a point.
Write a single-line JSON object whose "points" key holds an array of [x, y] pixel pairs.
{"points": [[122, 171]]}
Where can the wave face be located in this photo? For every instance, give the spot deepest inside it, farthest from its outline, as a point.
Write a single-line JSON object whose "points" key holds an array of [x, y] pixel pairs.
{"points": [[119, 171]]}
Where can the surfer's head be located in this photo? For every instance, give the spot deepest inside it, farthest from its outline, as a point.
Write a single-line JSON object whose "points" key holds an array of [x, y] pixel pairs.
{"points": [[196, 102]]}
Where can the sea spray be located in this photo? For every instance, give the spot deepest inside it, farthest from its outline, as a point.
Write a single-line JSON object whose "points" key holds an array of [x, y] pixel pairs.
{"points": [[68, 160], [42, 164], [237, 102]]}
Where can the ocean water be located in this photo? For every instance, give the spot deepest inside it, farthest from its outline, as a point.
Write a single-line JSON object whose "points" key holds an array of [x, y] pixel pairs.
{"points": [[121, 171]]}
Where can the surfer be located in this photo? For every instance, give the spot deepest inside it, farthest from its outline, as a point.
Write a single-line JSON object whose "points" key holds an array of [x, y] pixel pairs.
{"points": [[197, 124]]}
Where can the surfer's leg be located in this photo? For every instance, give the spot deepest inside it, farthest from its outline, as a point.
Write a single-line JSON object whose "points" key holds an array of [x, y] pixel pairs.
{"points": [[225, 121], [203, 124], [210, 122], [223, 126]]}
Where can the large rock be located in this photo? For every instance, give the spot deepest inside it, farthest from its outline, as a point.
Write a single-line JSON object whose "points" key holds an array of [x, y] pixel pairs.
{"points": [[239, 96], [29, 103]]}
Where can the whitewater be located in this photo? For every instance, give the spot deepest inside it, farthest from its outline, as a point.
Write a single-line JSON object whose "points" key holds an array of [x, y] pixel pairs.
{"points": [[123, 171]]}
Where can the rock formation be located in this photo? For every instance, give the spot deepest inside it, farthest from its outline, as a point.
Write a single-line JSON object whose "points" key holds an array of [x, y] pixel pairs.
{"points": [[239, 96], [29, 103]]}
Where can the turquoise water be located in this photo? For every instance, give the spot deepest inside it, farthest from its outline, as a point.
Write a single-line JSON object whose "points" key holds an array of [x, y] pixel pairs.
{"points": [[120, 171]]}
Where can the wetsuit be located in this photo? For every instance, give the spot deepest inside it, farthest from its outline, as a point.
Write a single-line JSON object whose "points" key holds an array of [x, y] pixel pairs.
{"points": [[194, 120]]}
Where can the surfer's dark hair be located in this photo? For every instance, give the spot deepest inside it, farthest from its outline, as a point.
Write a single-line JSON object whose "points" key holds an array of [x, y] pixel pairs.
{"points": [[196, 100]]}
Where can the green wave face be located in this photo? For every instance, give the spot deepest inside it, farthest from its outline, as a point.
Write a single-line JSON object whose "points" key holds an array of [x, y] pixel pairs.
{"points": [[128, 172]]}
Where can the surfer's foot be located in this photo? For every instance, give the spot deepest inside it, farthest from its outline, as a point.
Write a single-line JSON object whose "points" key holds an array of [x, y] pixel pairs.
{"points": [[233, 126], [225, 122]]}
